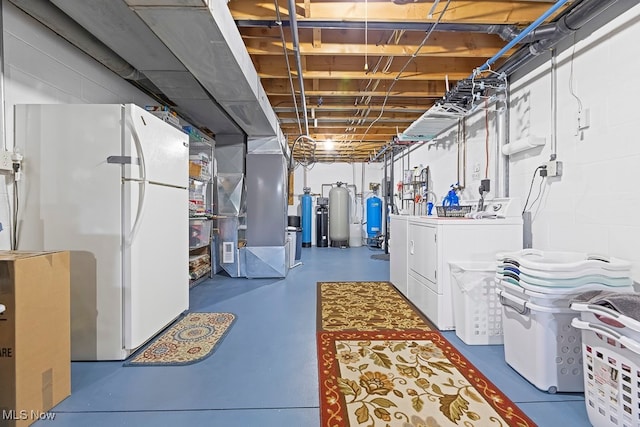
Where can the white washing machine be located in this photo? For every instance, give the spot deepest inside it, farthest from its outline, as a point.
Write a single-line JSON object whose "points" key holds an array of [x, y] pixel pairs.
{"points": [[433, 242]]}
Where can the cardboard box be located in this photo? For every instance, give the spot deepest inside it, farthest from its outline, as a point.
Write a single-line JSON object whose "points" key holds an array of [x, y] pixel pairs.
{"points": [[35, 343]]}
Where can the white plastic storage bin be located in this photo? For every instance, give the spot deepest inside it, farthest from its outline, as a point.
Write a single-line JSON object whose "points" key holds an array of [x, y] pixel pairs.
{"points": [[476, 309], [611, 354], [539, 342]]}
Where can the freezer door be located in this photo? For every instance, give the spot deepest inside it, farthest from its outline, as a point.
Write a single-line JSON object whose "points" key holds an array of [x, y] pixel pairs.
{"points": [[156, 259], [159, 152]]}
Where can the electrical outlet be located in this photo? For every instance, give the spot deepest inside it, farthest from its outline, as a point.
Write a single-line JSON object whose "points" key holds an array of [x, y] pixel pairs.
{"points": [[554, 168], [6, 163]]}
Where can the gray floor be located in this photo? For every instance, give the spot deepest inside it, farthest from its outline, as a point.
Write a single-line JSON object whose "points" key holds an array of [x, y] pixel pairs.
{"points": [[264, 373]]}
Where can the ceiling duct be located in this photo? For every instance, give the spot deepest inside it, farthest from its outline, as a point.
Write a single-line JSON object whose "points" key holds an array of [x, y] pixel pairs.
{"points": [[204, 37], [189, 49], [113, 35], [67, 28]]}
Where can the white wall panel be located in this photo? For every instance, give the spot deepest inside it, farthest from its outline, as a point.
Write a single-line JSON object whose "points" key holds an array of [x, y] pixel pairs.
{"points": [[593, 206], [41, 67]]}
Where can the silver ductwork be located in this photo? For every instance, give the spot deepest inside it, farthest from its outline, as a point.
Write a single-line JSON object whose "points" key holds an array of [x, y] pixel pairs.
{"points": [[267, 251], [63, 25], [204, 37], [148, 42]]}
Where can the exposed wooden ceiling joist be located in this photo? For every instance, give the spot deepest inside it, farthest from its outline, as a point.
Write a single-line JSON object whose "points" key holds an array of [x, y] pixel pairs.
{"points": [[355, 107]]}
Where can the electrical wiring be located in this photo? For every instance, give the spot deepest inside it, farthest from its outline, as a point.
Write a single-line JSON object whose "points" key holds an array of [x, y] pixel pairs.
{"points": [[413, 56], [16, 207], [533, 178], [486, 141], [539, 193], [571, 89]]}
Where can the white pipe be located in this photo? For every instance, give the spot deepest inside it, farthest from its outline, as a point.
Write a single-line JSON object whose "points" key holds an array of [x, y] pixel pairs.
{"points": [[554, 104], [523, 144]]}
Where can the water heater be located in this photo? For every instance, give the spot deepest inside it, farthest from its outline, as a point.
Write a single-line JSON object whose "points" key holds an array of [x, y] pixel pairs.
{"points": [[339, 216]]}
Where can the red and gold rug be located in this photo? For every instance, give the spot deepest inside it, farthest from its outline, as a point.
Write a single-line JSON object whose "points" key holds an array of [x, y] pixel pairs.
{"points": [[191, 339], [393, 377]]}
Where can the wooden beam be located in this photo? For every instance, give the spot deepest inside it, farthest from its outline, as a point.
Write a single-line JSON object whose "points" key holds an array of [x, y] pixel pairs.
{"points": [[307, 8], [350, 68], [264, 41], [317, 39], [469, 11], [350, 87]]}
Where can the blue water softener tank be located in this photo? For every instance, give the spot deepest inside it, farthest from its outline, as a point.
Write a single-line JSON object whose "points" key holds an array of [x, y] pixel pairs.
{"points": [[374, 217], [306, 217]]}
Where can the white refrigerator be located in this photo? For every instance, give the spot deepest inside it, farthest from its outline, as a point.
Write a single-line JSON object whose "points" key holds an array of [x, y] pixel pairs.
{"points": [[109, 184]]}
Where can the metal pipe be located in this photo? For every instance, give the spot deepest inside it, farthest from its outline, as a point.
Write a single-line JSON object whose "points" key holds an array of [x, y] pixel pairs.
{"points": [[575, 19], [286, 58], [571, 22], [520, 36], [501, 184], [296, 47], [500, 29]]}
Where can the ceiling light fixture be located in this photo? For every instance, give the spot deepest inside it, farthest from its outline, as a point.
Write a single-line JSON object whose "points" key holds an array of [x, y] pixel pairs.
{"points": [[328, 144]]}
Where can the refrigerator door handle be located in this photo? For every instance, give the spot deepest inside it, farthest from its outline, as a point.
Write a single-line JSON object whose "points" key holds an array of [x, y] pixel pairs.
{"points": [[143, 175]]}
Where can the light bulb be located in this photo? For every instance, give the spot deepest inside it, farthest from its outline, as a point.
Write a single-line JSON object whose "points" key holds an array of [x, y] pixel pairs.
{"points": [[366, 67]]}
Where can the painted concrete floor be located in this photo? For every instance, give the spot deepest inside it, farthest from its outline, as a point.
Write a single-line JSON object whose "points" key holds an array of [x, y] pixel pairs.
{"points": [[264, 373]]}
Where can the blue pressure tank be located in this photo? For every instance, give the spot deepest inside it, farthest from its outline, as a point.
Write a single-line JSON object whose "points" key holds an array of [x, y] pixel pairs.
{"points": [[306, 217], [374, 217]]}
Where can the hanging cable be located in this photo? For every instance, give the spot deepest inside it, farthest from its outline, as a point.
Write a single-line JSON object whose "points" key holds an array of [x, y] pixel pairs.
{"points": [[571, 78], [486, 140], [539, 193], [413, 56], [533, 178], [16, 207]]}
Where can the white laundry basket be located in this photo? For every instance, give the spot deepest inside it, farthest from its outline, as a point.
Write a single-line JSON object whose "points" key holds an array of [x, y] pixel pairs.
{"points": [[611, 353], [476, 309], [539, 342]]}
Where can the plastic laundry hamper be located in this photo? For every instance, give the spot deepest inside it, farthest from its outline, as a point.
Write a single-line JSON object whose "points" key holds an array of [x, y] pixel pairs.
{"points": [[611, 353], [476, 309], [539, 342]]}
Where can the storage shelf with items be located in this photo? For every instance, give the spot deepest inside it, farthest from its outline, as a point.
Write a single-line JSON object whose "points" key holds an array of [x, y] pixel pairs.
{"points": [[415, 189], [201, 222]]}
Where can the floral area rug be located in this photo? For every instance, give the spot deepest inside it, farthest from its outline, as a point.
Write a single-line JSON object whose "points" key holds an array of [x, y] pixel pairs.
{"points": [[192, 339], [366, 306], [400, 377]]}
